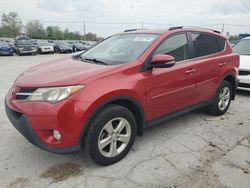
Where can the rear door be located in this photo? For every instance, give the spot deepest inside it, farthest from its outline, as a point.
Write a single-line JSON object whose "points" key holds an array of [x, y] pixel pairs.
{"points": [[171, 89], [207, 61]]}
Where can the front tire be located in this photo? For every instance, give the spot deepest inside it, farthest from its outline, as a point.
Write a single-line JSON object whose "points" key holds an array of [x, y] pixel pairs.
{"points": [[111, 135], [222, 99]]}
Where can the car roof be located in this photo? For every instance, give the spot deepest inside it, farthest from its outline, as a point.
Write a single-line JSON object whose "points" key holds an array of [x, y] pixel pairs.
{"points": [[175, 30], [245, 38]]}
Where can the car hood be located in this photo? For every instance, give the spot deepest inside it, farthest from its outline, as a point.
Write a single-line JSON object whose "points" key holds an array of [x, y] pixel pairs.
{"points": [[25, 45], [245, 62], [60, 72], [5, 48]]}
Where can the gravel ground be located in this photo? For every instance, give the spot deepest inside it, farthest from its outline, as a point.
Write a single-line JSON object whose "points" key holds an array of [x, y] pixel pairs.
{"points": [[194, 150]]}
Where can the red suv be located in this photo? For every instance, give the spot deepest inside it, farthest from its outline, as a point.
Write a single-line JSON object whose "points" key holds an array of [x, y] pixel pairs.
{"points": [[101, 99]]}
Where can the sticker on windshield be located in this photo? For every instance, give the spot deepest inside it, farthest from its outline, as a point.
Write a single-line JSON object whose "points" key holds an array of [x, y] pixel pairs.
{"points": [[144, 39]]}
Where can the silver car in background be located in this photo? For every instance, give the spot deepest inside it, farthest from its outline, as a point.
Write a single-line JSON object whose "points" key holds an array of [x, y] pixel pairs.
{"points": [[243, 49], [45, 47]]}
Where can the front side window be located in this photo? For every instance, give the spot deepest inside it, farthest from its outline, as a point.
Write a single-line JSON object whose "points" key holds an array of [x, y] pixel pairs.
{"points": [[119, 49], [176, 46], [205, 44], [242, 47]]}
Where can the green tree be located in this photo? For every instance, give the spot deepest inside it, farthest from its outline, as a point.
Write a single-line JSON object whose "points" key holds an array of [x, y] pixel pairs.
{"points": [[58, 34], [35, 29], [50, 32], [1, 32], [233, 38], [67, 34], [90, 36], [54, 32], [11, 24]]}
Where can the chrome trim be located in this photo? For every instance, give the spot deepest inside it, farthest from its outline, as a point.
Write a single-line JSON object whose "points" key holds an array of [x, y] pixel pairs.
{"points": [[25, 94]]}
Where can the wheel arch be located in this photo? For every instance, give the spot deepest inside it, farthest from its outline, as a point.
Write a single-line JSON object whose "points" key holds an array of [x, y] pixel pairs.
{"points": [[126, 101], [231, 78]]}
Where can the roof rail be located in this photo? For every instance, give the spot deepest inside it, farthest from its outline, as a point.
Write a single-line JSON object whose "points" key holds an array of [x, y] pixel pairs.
{"points": [[181, 27], [177, 27], [130, 30], [204, 28]]}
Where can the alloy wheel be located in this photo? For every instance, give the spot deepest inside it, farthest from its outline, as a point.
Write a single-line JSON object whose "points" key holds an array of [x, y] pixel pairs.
{"points": [[114, 137], [224, 98]]}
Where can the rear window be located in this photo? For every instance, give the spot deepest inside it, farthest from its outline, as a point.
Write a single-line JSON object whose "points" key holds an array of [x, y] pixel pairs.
{"points": [[205, 44]]}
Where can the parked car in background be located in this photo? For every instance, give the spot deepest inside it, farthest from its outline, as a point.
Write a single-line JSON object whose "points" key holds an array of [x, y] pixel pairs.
{"points": [[243, 49], [77, 46], [88, 44], [34, 41], [52, 42], [5, 49], [63, 47], [25, 47], [45, 47], [107, 95]]}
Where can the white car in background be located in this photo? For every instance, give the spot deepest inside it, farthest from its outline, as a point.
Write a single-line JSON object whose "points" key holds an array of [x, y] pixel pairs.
{"points": [[45, 47], [243, 49]]}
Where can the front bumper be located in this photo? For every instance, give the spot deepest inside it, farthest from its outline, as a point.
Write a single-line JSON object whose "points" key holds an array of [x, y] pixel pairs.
{"points": [[21, 123], [43, 50], [6, 52], [27, 51], [66, 50]]}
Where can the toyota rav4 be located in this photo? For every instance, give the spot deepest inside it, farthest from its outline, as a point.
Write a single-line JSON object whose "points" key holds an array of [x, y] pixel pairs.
{"points": [[102, 98]]}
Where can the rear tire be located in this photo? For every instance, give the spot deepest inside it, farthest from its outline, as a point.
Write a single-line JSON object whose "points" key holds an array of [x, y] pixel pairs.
{"points": [[222, 99], [111, 135]]}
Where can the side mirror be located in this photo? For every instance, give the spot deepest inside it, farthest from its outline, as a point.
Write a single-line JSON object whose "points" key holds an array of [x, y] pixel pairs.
{"points": [[162, 61]]}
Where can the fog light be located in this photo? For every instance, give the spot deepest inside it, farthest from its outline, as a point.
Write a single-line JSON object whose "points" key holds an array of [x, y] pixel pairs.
{"points": [[57, 135]]}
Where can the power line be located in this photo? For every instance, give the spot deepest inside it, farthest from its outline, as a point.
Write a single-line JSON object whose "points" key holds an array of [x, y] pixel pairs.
{"points": [[237, 25]]}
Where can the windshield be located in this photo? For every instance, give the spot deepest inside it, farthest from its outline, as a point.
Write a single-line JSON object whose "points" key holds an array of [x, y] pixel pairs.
{"points": [[25, 42], [242, 47], [121, 48], [4, 45]]}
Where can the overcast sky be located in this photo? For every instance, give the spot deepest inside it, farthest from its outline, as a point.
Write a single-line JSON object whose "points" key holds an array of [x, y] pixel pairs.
{"points": [[207, 13]]}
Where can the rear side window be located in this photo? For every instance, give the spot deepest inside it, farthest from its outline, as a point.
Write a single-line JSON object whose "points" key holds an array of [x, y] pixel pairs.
{"points": [[205, 44], [220, 43], [176, 46]]}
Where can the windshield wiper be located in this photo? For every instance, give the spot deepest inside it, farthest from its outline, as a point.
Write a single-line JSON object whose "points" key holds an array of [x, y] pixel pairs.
{"points": [[95, 61]]}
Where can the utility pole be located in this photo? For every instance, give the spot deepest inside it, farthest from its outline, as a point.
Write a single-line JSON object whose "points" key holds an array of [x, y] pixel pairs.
{"points": [[84, 29], [223, 27]]}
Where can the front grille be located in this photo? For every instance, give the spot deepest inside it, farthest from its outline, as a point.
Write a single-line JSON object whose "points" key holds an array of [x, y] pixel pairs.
{"points": [[244, 72], [27, 48], [24, 93]]}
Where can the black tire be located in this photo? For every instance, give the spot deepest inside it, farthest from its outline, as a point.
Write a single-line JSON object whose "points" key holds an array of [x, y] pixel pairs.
{"points": [[214, 109], [106, 115]]}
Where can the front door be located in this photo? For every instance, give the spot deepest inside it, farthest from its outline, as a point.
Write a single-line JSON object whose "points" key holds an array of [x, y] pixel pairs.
{"points": [[171, 89]]}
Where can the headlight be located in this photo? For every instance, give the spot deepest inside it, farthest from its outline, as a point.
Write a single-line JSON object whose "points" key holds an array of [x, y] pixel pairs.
{"points": [[54, 94]]}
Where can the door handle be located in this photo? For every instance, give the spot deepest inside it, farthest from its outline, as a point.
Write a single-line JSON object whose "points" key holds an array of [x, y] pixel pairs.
{"points": [[190, 71], [222, 64]]}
